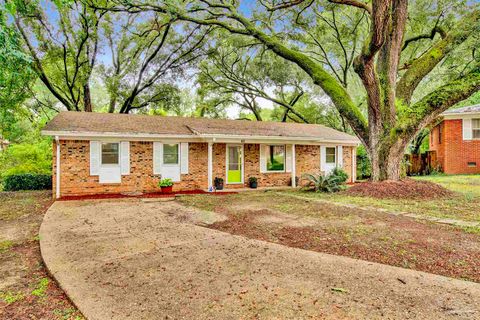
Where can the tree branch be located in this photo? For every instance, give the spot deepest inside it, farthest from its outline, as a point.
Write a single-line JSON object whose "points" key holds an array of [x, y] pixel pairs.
{"points": [[354, 3], [423, 65], [428, 108], [431, 35]]}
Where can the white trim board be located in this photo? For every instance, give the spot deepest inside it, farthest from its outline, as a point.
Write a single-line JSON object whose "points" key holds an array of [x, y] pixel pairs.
{"points": [[239, 139]]}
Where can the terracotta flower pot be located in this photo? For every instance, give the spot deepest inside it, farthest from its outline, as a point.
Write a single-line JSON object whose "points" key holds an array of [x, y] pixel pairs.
{"points": [[167, 189]]}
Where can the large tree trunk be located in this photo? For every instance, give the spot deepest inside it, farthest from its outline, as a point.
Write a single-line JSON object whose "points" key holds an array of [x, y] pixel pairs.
{"points": [[386, 159], [113, 103], [87, 100]]}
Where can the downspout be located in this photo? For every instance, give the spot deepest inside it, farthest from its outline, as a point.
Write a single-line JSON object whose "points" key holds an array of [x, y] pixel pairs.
{"points": [[57, 174], [294, 169]]}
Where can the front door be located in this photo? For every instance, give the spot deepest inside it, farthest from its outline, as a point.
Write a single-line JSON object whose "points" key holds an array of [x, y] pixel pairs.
{"points": [[234, 164], [171, 161]]}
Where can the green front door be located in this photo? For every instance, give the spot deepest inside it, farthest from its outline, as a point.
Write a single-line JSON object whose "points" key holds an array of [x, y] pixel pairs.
{"points": [[234, 169]]}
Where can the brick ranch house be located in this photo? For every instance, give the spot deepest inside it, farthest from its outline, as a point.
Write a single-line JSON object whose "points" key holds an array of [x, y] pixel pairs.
{"points": [[456, 140], [99, 153]]}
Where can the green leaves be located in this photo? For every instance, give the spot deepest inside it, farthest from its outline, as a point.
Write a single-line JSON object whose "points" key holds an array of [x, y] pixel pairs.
{"points": [[332, 182]]}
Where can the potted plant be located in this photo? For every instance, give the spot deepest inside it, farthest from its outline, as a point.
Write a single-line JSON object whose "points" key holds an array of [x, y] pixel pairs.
{"points": [[252, 182], [218, 182], [166, 185]]}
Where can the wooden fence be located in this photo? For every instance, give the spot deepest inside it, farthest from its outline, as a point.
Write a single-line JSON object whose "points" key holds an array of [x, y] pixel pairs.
{"points": [[419, 164]]}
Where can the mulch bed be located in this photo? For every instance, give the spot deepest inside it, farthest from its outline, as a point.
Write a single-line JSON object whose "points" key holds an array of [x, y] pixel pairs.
{"points": [[144, 195], [53, 304], [23, 262], [397, 241], [403, 189]]}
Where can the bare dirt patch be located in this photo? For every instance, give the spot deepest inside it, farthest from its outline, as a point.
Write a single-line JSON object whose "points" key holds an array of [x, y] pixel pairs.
{"points": [[404, 189], [26, 290], [372, 236]]}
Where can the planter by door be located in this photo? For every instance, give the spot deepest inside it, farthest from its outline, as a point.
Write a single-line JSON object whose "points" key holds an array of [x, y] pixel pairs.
{"points": [[167, 189]]}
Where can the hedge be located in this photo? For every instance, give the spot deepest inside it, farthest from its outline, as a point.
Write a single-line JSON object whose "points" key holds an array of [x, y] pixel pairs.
{"points": [[27, 181]]}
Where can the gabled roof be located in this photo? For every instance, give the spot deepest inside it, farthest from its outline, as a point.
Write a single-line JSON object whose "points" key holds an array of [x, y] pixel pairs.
{"points": [[104, 124], [464, 110]]}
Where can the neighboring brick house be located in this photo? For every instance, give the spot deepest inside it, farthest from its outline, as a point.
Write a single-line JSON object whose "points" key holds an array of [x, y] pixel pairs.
{"points": [[456, 140], [97, 153]]}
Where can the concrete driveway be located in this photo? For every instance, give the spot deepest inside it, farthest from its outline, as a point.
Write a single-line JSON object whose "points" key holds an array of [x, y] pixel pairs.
{"points": [[133, 259]]}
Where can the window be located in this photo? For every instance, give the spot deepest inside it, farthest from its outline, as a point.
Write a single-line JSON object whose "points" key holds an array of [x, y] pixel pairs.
{"points": [[330, 154], [476, 128], [472, 164], [275, 158], [109, 153], [170, 154]]}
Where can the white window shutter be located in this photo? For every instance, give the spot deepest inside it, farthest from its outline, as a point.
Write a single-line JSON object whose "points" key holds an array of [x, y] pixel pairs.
{"points": [[288, 158], [340, 157], [184, 157], [323, 158], [95, 158], [157, 157], [125, 157], [467, 129], [263, 158]]}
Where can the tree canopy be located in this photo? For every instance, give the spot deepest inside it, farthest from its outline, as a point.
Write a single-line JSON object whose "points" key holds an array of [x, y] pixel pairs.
{"points": [[382, 69], [388, 63]]}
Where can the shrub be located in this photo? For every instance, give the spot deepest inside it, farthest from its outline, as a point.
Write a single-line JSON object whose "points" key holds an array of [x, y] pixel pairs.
{"points": [[165, 183], [27, 181], [342, 175], [252, 180], [364, 167], [321, 183], [34, 158]]}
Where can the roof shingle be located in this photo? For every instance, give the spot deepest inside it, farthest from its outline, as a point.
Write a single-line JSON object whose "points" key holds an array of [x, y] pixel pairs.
{"points": [[469, 109], [81, 122]]}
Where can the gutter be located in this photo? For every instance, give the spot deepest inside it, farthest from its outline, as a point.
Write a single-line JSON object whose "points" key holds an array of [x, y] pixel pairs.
{"points": [[204, 137]]}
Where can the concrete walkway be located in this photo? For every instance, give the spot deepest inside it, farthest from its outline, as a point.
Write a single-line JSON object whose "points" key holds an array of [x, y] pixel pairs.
{"points": [[132, 259]]}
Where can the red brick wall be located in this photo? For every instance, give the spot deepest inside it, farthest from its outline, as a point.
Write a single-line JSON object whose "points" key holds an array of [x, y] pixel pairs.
{"points": [[76, 179], [438, 146], [454, 153]]}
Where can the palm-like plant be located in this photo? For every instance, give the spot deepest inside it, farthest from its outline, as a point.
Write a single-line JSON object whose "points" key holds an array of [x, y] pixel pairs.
{"points": [[321, 183]]}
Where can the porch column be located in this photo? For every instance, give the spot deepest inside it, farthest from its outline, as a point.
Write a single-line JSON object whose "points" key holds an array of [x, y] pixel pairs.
{"points": [[354, 164], [210, 165], [294, 169], [57, 173]]}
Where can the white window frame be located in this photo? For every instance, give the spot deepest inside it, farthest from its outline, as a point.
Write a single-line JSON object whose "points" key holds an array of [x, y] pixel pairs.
{"points": [[474, 129], [267, 157], [242, 149], [334, 153], [178, 155], [118, 154]]}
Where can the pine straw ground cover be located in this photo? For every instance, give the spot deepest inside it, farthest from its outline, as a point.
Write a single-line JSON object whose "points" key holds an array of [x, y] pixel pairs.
{"points": [[461, 201], [363, 234], [403, 189], [26, 290]]}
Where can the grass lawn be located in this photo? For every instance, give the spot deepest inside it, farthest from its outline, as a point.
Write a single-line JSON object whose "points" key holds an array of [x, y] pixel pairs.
{"points": [[465, 206], [26, 290], [358, 233]]}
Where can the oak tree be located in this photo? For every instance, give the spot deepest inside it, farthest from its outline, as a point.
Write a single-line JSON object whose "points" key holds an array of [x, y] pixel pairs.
{"points": [[388, 70]]}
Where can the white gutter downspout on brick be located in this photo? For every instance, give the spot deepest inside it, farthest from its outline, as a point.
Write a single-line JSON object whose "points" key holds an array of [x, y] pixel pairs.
{"points": [[294, 169], [57, 175]]}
